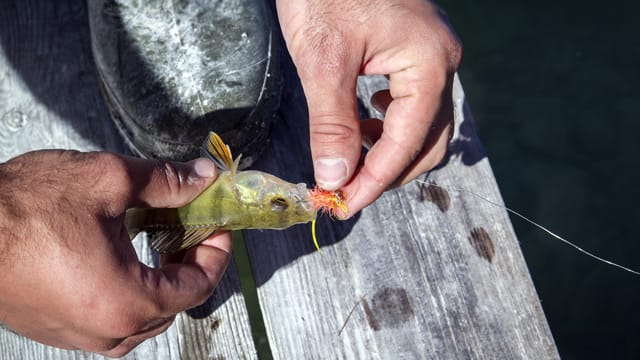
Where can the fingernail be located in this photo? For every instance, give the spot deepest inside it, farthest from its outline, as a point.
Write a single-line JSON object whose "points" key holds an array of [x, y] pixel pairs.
{"points": [[203, 168], [331, 173]]}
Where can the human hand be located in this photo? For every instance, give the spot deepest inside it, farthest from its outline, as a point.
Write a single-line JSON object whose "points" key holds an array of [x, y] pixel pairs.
{"points": [[69, 276], [409, 41]]}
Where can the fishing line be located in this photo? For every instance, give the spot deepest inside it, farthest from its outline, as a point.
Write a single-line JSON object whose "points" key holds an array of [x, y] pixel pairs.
{"points": [[585, 252]]}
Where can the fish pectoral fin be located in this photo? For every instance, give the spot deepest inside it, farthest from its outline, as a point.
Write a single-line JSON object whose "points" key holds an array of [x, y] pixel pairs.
{"points": [[171, 240]]}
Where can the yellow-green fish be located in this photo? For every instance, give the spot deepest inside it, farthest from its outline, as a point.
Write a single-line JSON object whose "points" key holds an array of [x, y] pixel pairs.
{"points": [[236, 200]]}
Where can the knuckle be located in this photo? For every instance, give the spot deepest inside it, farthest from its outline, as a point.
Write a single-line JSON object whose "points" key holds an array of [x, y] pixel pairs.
{"points": [[455, 51], [170, 177], [331, 132], [377, 177], [109, 178], [106, 163], [434, 84], [449, 40]]}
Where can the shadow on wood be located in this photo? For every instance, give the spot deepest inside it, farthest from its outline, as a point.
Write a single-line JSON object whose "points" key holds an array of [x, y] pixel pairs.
{"points": [[48, 46], [461, 145]]}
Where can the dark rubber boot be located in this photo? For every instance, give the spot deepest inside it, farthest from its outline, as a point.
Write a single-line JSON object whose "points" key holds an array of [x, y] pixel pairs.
{"points": [[171, 71]]}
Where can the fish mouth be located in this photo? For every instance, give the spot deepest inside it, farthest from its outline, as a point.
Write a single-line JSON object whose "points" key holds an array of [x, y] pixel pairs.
{"points": [[301, 196]]}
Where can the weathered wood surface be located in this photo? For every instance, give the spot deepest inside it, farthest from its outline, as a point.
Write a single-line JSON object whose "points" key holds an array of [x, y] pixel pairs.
{"points": [[422, 273], [49, 98], [429, 272]]}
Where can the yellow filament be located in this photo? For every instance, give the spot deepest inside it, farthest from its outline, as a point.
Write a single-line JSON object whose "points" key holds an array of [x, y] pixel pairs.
{"points": [[313, 234]]}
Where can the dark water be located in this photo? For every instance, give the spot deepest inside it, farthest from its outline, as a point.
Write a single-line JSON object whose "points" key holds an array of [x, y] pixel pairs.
{"points": [[554, 91]]}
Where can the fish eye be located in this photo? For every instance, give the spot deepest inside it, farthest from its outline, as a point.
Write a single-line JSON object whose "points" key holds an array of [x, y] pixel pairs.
{"points": [[279, 203]]}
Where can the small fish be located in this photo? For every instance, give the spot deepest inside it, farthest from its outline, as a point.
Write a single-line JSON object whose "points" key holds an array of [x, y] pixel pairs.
{"points": [[236, 200]]}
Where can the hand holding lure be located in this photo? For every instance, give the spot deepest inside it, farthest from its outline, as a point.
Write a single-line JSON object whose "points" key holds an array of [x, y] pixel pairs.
{"points": [[236, 200]]}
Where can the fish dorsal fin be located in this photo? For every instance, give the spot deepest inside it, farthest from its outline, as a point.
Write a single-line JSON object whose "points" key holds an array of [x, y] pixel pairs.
{"points": [[177, 238], [220, 153]]}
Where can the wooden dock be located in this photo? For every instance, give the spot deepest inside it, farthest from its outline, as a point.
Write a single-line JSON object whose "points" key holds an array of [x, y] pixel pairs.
{"points": [[426, 272]]}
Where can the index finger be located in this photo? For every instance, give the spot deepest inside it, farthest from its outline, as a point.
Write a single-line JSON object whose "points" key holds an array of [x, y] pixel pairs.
{"points": [[417, 94]]}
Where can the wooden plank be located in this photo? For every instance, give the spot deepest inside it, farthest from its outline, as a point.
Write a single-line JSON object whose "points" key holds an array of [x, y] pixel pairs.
{"points": [[49, 98], [424, 276], [422, 273]]}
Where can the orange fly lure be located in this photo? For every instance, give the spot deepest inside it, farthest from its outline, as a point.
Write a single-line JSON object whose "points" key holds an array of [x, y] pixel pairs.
{"points": [[329, 202]]}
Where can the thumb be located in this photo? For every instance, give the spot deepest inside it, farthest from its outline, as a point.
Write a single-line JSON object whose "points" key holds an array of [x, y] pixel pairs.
{"points": [[328, 59], [159, 183], [334, 126]]}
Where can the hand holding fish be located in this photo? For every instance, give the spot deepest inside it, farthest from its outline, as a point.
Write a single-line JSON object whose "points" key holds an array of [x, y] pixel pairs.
{"points": [[409, 41], [68, 272]]}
